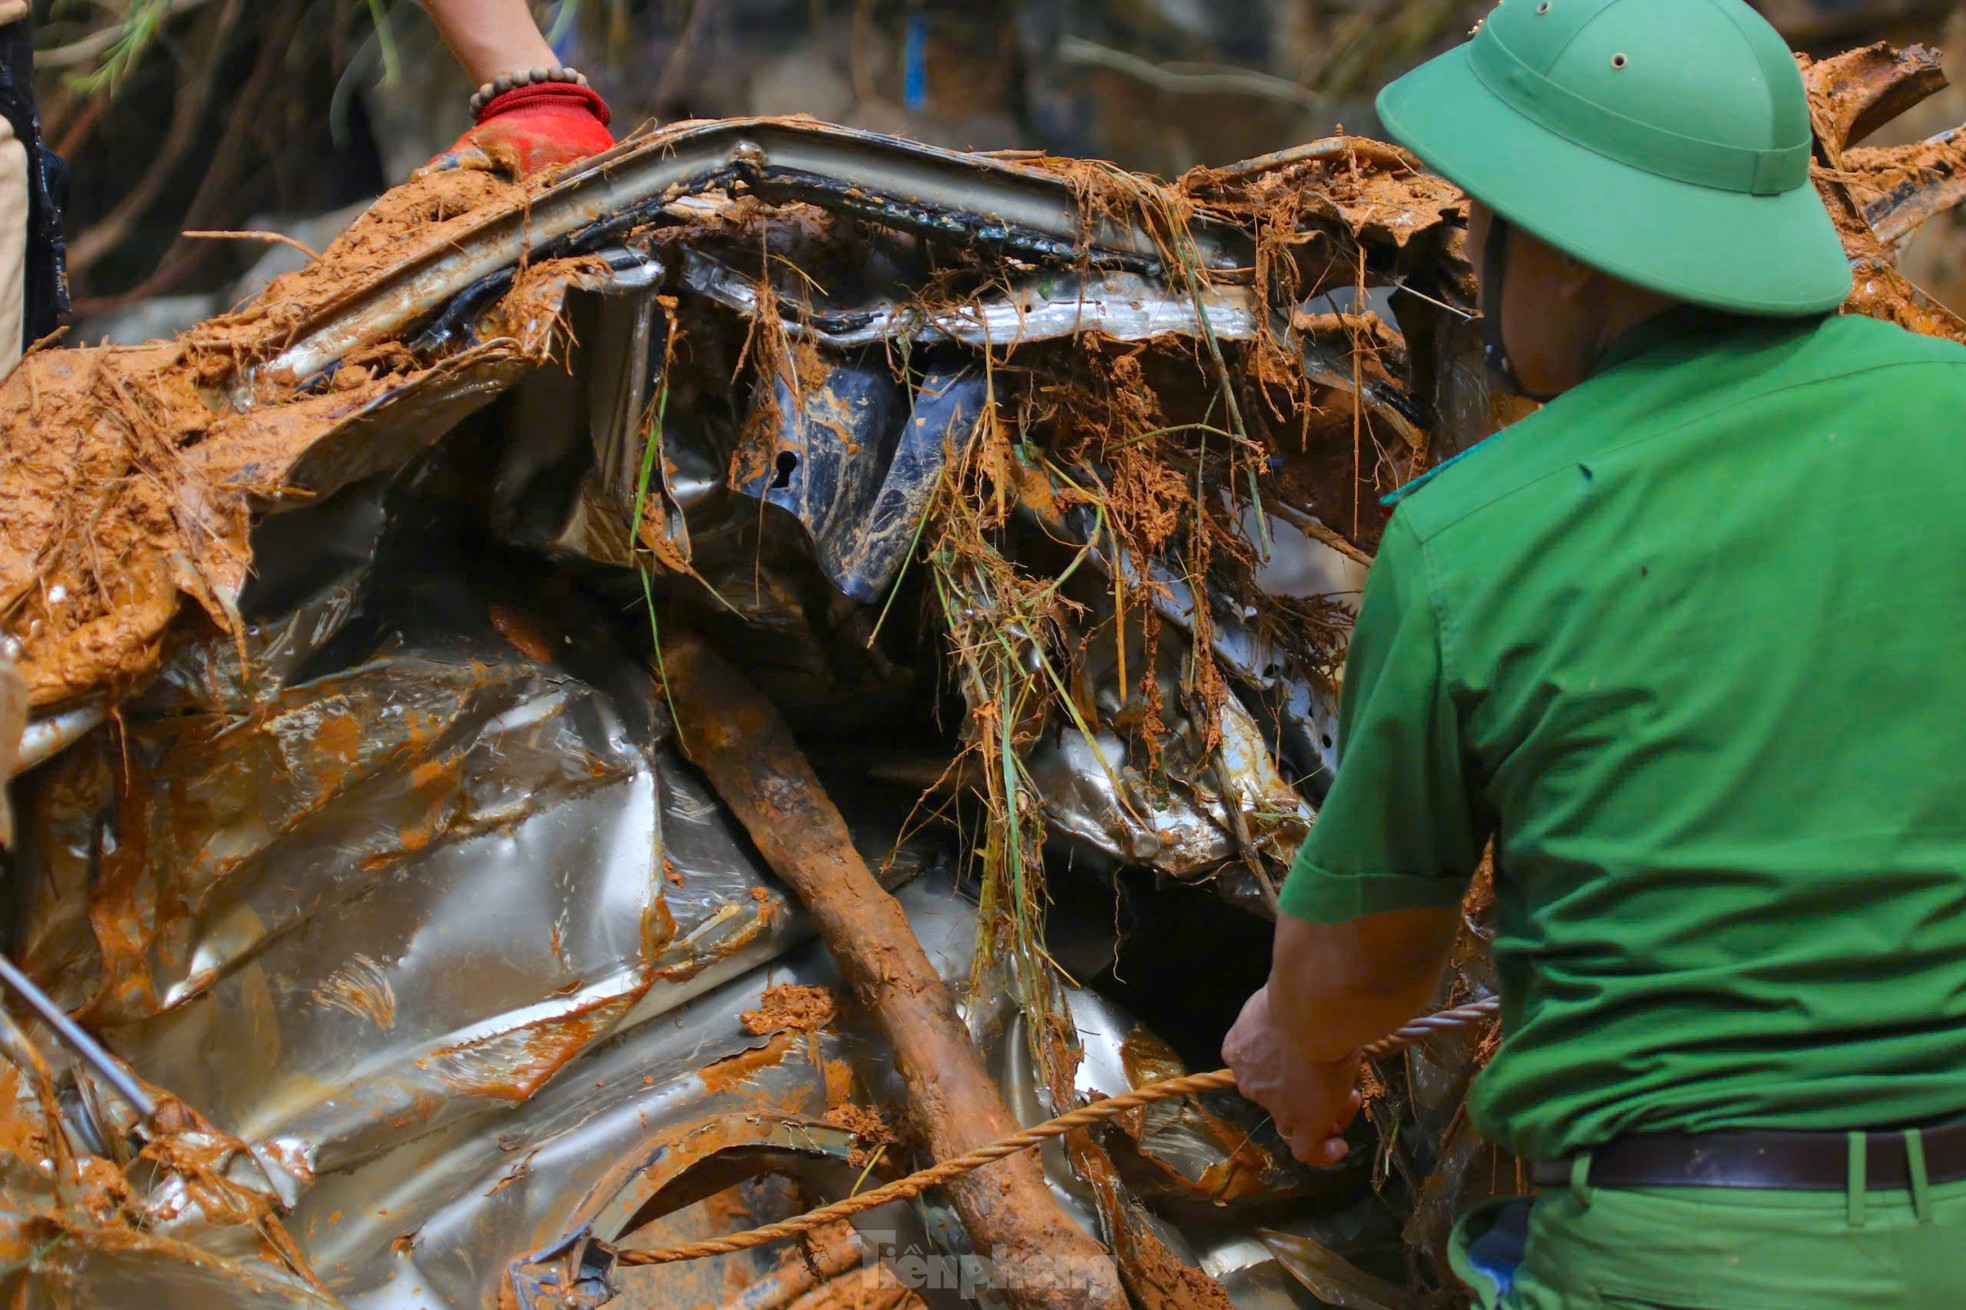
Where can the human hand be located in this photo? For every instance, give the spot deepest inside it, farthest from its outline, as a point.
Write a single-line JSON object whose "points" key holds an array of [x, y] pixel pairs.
{"points": [[1312, 1101], [531, 128]]}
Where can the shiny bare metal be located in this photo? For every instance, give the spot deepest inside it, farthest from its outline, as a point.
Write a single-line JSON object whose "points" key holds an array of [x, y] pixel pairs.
{"points": [[884, 178]]}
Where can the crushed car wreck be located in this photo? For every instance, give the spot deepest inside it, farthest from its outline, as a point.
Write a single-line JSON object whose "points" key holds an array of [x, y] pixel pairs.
{"points": [[394, 662]]}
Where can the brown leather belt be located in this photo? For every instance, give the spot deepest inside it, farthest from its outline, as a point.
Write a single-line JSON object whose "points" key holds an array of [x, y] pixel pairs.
{"points": [[1770, 1159]]}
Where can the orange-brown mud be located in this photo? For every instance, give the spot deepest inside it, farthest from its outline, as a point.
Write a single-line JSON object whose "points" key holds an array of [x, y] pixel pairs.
{"points": [[128, 474], [788, 1005], [64, 1208], [430, 210], [872, 1127], [105, 520], [1877, 171], [1157, 1277], [511, 1066], [360, 988], [1375, 191], [1848, 96], [524, 632], [1853, 93]]}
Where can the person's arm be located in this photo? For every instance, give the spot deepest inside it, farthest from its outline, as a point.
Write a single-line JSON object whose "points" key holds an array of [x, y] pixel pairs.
{"points": [[491, 38], [1371, 906], [1333, 988], [1337, 986], [533, 126]]}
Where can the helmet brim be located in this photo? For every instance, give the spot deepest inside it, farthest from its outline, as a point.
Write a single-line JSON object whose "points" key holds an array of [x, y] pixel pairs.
{"points": [[1777, 255]]}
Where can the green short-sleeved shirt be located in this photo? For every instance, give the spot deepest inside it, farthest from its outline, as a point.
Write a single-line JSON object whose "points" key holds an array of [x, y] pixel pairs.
{"points": [[1690, 642]]}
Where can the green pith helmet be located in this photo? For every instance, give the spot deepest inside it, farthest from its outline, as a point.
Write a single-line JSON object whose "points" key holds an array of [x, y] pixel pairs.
{"points": [[1666, 142]]}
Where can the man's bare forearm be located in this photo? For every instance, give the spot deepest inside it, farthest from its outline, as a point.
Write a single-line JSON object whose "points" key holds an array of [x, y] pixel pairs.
{"points": [[1335, 987], [491, 37]]}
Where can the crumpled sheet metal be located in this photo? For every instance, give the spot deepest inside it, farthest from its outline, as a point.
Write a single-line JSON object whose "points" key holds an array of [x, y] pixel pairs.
{"points": [[448, 873], [1094, 795], [454, 1215], [288, 440], [1936, 186], [856, 453], [1221, 1158], [1216, 1163], [970, 198], [1055, 304], [1254, 657], [1123, 306], [190, 1221], [856, 458], [407, 921], [334, 985], [385, 433], [45, 737], [1861, 90], [572, 227], [442, 1220], [1237, 806]]}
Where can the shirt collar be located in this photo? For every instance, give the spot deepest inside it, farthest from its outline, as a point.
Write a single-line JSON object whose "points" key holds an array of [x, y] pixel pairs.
{"points": [[1681, 323]]}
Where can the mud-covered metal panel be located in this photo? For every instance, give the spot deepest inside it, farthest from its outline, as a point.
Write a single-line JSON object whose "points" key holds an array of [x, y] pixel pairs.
{"points": [[857, 456]]}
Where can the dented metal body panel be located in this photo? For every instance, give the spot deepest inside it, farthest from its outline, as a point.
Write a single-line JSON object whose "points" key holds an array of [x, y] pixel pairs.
{"points": [[1033, 497], [861, 495], [971, 199]]}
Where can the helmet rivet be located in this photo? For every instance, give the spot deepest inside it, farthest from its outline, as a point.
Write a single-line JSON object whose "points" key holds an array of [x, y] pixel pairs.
{"points": [[1618, 61]]}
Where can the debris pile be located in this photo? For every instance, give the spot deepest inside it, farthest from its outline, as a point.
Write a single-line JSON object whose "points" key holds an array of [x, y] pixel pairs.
{"points": [[606, 710]]}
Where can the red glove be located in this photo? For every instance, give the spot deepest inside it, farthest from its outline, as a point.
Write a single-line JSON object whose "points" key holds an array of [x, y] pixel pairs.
{"points": [[530, 128]]}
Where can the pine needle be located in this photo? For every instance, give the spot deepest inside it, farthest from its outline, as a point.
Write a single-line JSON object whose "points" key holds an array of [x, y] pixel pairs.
{"points": [[141, 22]]}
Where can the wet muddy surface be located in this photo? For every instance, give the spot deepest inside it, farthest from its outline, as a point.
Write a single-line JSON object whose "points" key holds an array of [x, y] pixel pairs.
{"points": [[627, 707]]}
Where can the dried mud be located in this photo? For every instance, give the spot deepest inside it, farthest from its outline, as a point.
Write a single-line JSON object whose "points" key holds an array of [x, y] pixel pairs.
{"points": [[1851, 178], [872, 1128], [74, 1208], [788, 1005], [128, 475], [1377, 192], [429, 211], [733, 1071]]}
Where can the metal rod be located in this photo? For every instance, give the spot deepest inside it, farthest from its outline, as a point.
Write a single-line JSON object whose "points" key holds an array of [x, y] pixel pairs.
{"points": [[76, 1040], [46, 738]]}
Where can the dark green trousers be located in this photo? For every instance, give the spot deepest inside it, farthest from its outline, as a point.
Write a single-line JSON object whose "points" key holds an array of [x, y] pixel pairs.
{"points": [[1721, 1249]]}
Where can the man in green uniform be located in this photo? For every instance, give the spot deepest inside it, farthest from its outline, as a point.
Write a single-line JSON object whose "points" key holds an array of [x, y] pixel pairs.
{"points": [[1689, 647]]}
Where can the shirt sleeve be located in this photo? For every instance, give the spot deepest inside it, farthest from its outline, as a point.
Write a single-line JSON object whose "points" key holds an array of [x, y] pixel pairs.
{"points": [[1403, 825]]}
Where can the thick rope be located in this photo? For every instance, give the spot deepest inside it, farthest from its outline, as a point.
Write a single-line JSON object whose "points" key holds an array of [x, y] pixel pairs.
{"points": [[1083, 1117]]}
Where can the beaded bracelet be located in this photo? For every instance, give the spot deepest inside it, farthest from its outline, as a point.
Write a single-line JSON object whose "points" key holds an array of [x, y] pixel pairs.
{"points": [[490, 91]]}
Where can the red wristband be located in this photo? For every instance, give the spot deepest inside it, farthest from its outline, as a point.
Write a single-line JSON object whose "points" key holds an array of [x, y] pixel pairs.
{"points": [[557, 95]]}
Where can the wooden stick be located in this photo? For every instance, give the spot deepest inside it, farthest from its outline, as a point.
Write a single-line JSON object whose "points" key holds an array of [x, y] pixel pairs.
{"points": [[1038, 1256]]}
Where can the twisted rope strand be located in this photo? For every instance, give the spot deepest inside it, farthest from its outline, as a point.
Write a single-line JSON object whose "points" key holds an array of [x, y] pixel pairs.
{"points": [[1084, 1117]]}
